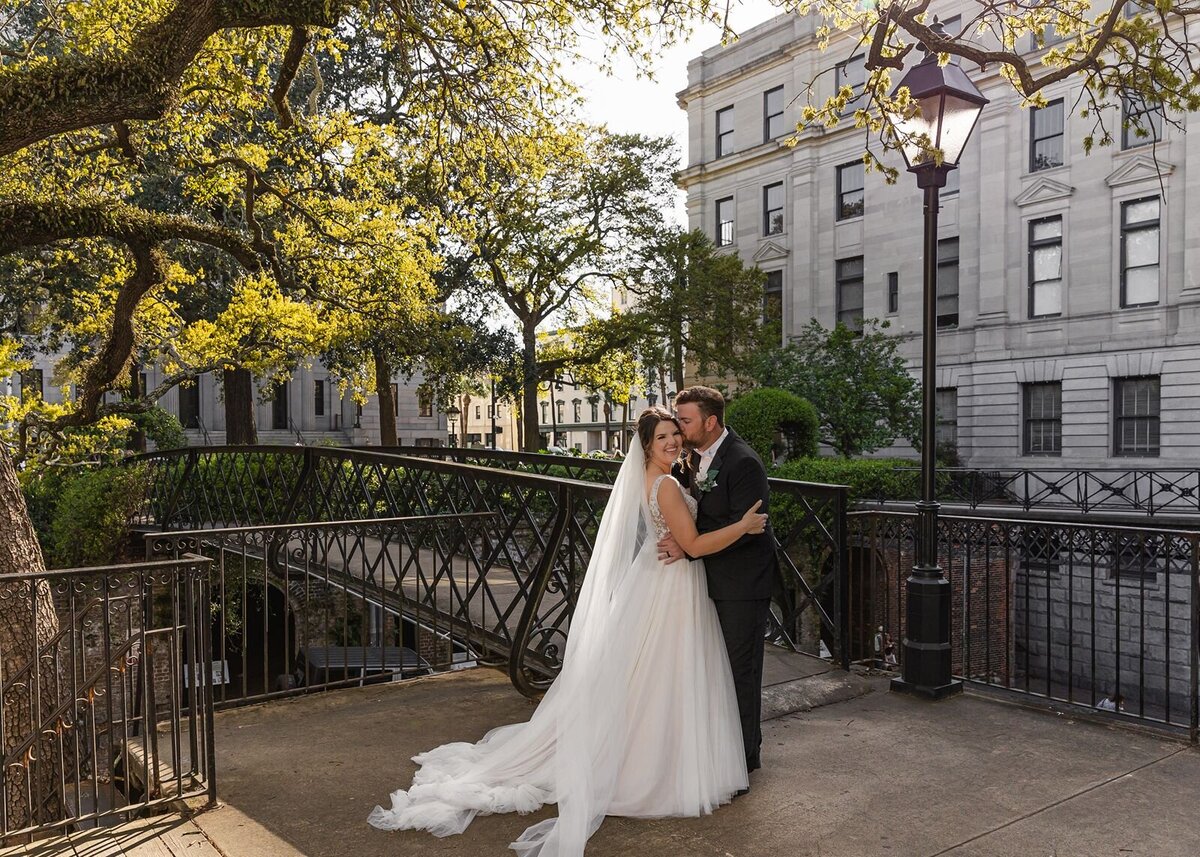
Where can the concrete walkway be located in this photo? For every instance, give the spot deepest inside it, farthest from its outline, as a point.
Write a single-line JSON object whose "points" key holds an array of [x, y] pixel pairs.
{"points": [[878, 774], [855, 775]]}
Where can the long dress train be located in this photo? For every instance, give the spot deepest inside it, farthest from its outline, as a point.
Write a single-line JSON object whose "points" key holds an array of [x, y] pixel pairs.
{"points": [[642, 720]]}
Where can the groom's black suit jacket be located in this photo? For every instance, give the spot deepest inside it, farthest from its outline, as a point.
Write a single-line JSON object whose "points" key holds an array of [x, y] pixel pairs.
{"points": [[747, 569]]}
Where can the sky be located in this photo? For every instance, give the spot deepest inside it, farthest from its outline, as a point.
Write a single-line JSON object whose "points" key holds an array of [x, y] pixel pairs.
{"points": [[631, 103]]}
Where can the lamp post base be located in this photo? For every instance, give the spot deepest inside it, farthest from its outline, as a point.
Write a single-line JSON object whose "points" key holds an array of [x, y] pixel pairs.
{"points": [[941, 691]]}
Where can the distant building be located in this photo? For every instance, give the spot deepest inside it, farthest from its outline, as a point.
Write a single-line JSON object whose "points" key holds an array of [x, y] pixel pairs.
{"points": [[307, 408], [1069, 284]]}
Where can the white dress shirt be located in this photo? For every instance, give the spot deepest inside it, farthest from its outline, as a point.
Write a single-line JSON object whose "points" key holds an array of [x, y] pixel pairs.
{"points": [[707, 455]]}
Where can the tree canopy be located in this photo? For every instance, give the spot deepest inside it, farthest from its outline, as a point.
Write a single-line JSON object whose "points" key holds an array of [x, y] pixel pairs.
{"points": [[864, 396], [1120, 51]]}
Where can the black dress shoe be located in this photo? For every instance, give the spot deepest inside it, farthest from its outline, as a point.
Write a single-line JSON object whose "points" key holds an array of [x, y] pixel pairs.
{"points": [[741, 792]]}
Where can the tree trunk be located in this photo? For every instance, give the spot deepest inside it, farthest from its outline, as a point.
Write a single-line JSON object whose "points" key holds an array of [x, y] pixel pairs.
{"points": [[607, 426], [677, 355], [465, 406], [662, 386], [22, 638], [240, 427], [624, 425], [529, 388], [387, 407]]}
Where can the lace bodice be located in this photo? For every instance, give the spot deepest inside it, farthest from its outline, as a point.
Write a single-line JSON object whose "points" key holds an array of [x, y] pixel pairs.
{"points": [[660, 526]]}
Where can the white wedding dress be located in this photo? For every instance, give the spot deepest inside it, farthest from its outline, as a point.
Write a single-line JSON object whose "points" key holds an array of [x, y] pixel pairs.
{"points": [[642, 720]]}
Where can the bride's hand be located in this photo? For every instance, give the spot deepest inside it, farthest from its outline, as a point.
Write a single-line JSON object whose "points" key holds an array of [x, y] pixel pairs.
{"points": [[753, 521]]}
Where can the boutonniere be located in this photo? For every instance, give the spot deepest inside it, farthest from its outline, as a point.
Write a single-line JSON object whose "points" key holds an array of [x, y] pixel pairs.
{"points": [[708, 483]]}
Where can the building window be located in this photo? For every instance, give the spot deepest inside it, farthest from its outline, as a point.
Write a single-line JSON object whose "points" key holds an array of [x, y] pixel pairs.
{"points": [[773, 209], [189, 405], [545, 413], [725, 221], [424, 402], [947, 283], [773, 299], [319, 398], [1049, 37], [1042, 547], [1139, 252], [558, 410], [1045, 267], [893, 292], [1136, 416], [33, 381], [595, 403], [946, 409], [1141, 122], [772, 114], [724, 131], [852, 73], [850, 190], [478, 412], [1046, 136], [850, 292], [1043, 418], [1138, 557], [576, 407]]}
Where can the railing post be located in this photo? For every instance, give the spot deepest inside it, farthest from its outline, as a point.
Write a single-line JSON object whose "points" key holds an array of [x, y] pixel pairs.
{"points": [[843, 537], [306, 469], [188, 469], [1194, 659]]}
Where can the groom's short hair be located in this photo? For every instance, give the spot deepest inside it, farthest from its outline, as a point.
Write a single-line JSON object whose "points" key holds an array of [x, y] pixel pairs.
{"points": [[710, 402]]}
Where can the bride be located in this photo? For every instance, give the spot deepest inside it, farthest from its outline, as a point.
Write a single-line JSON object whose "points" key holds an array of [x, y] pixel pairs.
{"points": [[642, 720]]}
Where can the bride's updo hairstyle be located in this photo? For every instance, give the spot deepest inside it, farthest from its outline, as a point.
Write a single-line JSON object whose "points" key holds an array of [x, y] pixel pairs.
{"points": [[647, 423]]}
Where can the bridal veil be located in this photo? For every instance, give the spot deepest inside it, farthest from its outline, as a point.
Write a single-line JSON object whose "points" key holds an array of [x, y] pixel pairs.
{"points": [[571, 750]]}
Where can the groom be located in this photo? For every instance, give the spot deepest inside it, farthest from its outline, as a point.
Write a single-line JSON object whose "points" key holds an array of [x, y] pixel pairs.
{"points": [[727, 477]]}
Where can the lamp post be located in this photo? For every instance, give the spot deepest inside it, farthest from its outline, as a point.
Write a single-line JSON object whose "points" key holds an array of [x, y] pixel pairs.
{"points": [[948, 106], [452, 416]]}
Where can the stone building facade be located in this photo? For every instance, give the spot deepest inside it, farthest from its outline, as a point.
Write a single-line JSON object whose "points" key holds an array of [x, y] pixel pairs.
{"points": [[1069, 302], [307, 408]]}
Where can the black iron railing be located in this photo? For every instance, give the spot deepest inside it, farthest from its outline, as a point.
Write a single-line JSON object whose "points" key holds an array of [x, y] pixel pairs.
{"points": [[1118, 490], [538, 536], [106, 703], [581, 467], [305, 607], [1065, 612]]}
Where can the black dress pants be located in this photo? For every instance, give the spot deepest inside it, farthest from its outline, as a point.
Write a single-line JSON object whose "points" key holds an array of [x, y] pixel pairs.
{"points": [[744, 626]]}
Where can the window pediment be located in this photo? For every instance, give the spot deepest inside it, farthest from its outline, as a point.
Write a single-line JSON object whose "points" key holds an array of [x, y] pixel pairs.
{"points": [[1139, 168], [1044, 190], [771, 250]]}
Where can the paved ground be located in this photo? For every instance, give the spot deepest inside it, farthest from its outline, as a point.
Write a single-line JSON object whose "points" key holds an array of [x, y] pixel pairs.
{"points": [[880, 774], [873, 774]]}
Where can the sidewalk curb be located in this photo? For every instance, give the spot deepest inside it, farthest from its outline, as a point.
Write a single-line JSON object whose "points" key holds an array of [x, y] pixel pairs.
{"points": [[805, 694]]}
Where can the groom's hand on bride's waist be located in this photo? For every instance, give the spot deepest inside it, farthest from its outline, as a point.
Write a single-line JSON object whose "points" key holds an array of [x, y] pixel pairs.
{"points": [[669, 550]]}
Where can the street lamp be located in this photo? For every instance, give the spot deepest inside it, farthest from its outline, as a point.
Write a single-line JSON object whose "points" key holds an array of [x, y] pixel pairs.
{"points": [[948, 106], [452, 415]]}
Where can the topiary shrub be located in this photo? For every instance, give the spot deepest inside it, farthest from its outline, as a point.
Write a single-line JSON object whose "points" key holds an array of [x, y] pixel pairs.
{"points": [[765, 416], [91, 520]]}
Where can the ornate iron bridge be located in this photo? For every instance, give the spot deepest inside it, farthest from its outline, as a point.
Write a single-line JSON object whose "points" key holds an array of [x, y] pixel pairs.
{"points": [[505, 562]]}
